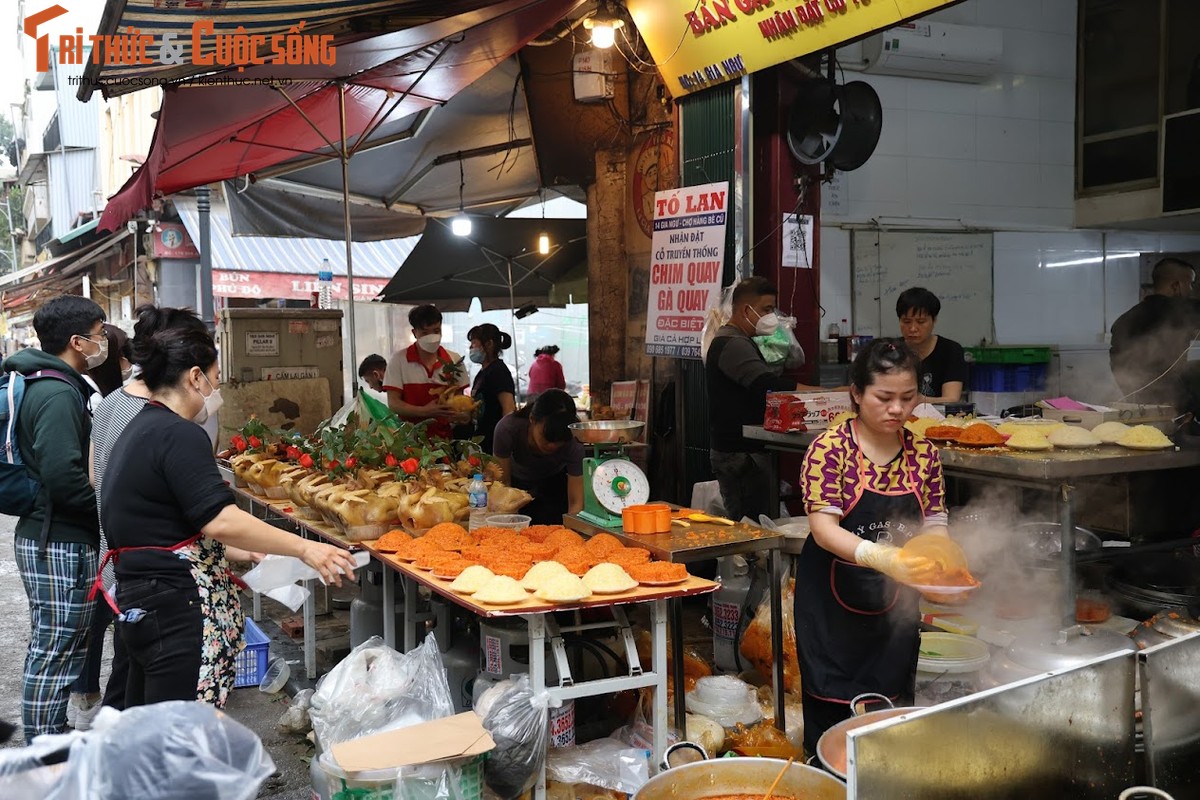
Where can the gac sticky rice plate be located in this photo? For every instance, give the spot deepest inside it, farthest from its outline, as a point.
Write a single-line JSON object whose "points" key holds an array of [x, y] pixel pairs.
{"points": [[1072, 436], [1110, 432]]}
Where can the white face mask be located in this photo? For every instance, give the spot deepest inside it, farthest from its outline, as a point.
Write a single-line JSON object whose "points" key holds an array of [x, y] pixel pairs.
{"points": [[212, 404], [430, 342], [767, 324], [100, 356], [126, 374]]}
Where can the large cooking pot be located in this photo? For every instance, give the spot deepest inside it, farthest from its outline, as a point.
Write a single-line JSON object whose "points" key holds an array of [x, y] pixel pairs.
{"points": [[831, 747], [751, 776]]}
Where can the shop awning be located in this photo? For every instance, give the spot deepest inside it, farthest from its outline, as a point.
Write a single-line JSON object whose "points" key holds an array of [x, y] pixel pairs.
{"points": [[172, 18], [208, 133], [72, 235], [63, 265], [291, 256]]}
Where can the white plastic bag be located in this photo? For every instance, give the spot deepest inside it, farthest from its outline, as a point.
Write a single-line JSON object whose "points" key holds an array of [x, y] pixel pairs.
{"points": [[376, 689], [714, 318], [607, 763], [175, 750]]}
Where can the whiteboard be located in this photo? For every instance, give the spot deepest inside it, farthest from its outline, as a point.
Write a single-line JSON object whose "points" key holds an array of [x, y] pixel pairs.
{"points": [[957, 267]]}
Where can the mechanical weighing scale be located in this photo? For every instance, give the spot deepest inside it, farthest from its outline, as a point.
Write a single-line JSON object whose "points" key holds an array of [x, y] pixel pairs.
{"points": [[610, 480]]}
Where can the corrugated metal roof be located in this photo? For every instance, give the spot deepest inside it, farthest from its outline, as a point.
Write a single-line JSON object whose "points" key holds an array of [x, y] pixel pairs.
{"points": [[291, 255]]}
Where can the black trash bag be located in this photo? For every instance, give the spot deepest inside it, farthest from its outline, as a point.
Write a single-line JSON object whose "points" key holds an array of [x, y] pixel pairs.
{"points": [[519, 724]]}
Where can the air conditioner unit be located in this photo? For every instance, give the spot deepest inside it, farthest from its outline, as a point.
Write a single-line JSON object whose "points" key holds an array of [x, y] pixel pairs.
{"points": [[935, 50]]}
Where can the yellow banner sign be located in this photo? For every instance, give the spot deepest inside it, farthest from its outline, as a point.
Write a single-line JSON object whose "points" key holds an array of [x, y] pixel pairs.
{"points": [[700, 44]]}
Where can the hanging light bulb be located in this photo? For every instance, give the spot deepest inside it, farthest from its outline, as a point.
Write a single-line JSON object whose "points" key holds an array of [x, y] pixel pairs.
{"points": [[603, 25], [544, 243], [461, 224]]}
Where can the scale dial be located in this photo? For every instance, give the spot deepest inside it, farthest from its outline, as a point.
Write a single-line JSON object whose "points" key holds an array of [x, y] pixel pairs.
{"points": [[618, 483]]}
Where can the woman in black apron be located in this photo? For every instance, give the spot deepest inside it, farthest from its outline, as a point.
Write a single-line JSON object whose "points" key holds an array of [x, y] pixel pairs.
{"points": [[869, 486]]}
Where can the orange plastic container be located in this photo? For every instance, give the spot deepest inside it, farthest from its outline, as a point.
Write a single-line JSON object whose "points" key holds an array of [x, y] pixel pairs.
{"points": [[646, 519]]}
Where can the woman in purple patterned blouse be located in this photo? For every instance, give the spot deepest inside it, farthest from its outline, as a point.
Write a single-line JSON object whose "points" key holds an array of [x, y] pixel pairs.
{"points": [[869, 485]]}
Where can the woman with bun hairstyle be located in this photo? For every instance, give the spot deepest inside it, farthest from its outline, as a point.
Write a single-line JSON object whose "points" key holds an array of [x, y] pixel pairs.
{"points": [[493, 387], [537, 453], [169, 517]]}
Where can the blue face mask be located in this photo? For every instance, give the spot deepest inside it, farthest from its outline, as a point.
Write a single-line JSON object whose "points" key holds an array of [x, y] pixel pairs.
{"points": [[476, 356]]}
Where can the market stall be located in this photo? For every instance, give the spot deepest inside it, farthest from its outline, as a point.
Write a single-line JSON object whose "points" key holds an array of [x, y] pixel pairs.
{"points": [[1050, 470]]}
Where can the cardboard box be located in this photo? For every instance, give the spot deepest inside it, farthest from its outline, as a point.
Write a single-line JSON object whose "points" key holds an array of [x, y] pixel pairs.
{"points": [[460, 736], [821, 406]]}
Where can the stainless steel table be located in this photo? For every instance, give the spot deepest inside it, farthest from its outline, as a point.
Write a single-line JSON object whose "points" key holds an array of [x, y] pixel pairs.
{"points": [[700, 542], [1049, 471]]}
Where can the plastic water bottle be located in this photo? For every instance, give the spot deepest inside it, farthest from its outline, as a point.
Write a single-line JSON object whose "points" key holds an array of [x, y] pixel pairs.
{"points": [[477, 499], [727, 607], [834, 330], [325, 285]]}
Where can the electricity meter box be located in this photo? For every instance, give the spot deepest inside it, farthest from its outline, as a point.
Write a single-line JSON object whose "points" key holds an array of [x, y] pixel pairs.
{"points": [[283, 364]]}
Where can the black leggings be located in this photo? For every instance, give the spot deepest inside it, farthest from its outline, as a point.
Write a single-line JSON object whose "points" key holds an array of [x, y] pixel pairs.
{"points": [[165, 645]]}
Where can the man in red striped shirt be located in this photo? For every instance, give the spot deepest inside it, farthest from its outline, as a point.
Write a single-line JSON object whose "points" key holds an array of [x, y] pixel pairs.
{"points": [[417, 377]]}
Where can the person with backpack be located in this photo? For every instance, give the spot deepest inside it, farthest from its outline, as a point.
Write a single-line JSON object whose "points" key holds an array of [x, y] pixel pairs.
{"points": [[58, 533]]}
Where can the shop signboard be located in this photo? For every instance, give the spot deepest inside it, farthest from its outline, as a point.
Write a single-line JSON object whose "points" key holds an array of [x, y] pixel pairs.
{"points": [[698, 45], [171, 240], [687, 255], [290, 286]]}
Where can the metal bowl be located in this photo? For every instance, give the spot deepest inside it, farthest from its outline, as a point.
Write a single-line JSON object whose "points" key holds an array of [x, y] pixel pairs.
{"points": [[753, 776], [607, 431]]}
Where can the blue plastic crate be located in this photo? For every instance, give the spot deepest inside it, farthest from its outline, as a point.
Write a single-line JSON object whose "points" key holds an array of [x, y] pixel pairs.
{"points": [[252, 661], [1008, 377]]}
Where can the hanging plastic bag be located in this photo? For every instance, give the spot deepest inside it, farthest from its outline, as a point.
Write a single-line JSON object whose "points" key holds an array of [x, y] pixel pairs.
{"points": [[32, 772], [168, 751], [756, 641], [376, 689], [714, 318], [781, 349], [518, 721]]}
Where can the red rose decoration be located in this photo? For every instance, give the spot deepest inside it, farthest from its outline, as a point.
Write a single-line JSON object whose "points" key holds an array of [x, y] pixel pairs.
{"points": [[410, 465], [293, 453], [333, 464], [391, 460], [306, 461], [255, 441], [239, 444], [474, 461], [351, 462]]}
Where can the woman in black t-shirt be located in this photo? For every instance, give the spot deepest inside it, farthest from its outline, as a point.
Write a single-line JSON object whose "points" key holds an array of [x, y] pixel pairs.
{"points": [[169, 516], [493, 386]]}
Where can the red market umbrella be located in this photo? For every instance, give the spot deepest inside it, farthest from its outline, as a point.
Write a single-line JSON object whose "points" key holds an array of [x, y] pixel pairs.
{"points": [[209, 132]]}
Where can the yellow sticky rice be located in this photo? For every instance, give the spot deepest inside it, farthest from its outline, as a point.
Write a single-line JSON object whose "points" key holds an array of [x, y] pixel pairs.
{"points": [[1144, 436]]}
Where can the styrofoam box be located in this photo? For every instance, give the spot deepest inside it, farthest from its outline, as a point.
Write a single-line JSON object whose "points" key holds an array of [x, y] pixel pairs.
{"points": [[995, 402]]}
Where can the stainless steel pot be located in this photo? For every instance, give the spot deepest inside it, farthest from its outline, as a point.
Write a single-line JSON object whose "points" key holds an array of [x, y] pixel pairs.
{"points": [[831, 747], [741, 776]]}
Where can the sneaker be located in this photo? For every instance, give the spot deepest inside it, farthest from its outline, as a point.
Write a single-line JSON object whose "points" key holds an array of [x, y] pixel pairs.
{"points": [[85, 711], [73, 704]]}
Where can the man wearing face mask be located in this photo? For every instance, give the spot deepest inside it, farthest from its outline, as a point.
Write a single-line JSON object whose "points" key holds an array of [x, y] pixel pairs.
{"points": [[738, 379], [56, 543], [419, 377]]}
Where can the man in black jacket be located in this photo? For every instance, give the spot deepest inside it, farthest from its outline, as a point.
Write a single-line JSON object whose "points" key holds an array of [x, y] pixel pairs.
{"points": [[1149, 340], [738, 378], [56, 543]]}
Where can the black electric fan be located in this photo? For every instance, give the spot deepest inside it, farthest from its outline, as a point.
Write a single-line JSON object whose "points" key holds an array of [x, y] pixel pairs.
{"points": [[837, 123]]}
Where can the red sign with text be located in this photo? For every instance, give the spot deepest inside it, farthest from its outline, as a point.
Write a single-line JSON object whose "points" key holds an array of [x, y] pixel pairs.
{"points": [[265, 285]]}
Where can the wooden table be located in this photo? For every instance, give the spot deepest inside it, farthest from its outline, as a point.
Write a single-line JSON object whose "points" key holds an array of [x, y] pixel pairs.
{"points": [[700, 542], [1049, 471]]}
